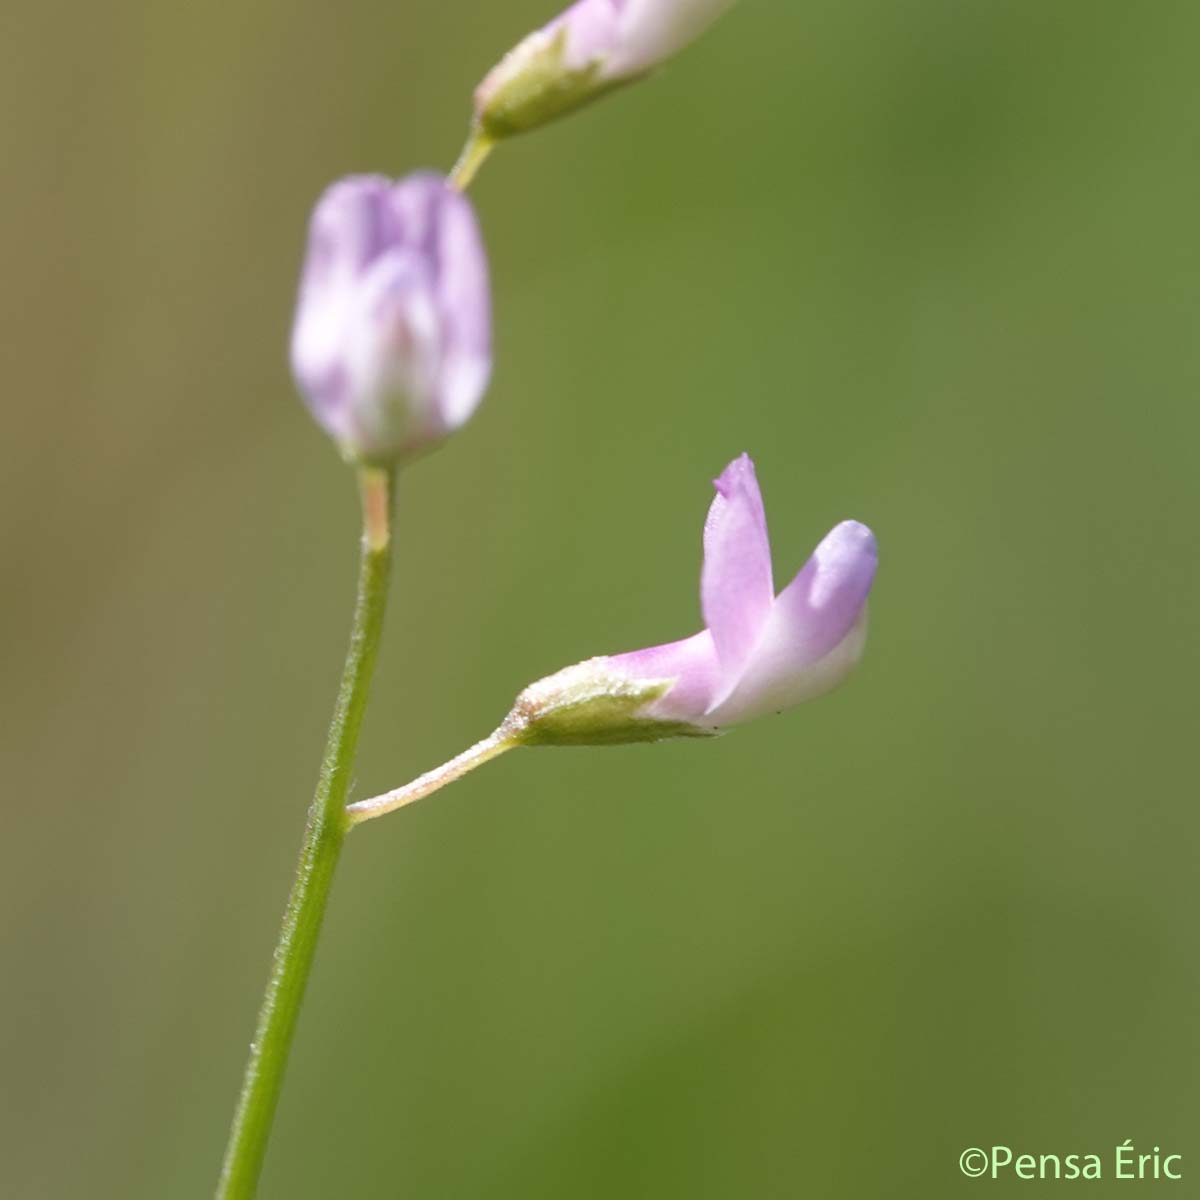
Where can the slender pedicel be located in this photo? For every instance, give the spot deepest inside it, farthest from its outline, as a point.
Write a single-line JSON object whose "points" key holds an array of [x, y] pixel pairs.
{"points": [[425, 785], [474, 154]]}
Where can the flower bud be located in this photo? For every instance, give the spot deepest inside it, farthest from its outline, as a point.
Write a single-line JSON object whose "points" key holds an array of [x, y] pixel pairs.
{"points": [[591, 48], [391, 345]]}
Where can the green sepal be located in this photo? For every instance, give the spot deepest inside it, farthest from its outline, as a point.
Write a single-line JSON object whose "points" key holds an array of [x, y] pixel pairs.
{"points": [[591, 705], [541, 89]]}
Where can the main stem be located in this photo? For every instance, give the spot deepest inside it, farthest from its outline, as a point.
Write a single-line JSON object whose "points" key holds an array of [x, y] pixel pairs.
{"points": [[323, 837]]}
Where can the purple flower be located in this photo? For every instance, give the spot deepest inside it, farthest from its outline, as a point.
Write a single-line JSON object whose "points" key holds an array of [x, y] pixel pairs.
{"points": [[759, 652], [391, 345], [592, 47]]}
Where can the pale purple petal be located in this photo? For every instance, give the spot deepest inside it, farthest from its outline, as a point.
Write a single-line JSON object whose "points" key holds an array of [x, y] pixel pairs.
{"points": [[654, 30], [393, 351], [823, 601], [439, 221], [350, 224], [736, 587], [691, 663], [815, 632], [347, 228], [464, 296], [592, 29]]}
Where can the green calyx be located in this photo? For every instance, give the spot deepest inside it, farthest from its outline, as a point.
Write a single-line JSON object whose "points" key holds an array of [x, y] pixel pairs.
{"points": [[591, 705], [536, 86]]}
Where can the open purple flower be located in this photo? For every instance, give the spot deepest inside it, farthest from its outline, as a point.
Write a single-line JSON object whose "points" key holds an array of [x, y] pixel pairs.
{"points": [[759, 652], [592, 47], [391, 345]]}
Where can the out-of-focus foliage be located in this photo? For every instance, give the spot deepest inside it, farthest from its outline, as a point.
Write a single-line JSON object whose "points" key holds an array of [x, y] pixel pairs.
{"points": [[935, 265]]}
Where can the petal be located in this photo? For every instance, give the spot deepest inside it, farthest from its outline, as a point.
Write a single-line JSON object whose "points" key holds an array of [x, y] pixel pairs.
{"points": [[438, 222], [815, 632], [653, 30], [464, 298], [393, 355], [691, 663], [592, 28], [348, 228], [414, 206], [736, 588]]}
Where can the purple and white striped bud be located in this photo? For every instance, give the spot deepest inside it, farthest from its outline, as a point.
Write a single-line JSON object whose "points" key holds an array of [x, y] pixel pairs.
{"points": [[759, 653], [391, 345], [591, 48]]}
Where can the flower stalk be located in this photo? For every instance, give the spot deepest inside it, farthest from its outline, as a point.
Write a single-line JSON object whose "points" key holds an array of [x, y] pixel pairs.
{"points": [[324, 835], [490, 747], [474, 154]]}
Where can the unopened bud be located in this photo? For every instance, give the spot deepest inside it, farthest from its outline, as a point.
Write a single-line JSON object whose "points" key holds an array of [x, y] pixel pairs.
{"points": [[391, 345], [591, 48]]}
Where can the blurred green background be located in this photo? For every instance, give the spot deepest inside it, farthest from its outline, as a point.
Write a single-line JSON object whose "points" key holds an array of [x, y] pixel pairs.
{"points": [[935, 265]]}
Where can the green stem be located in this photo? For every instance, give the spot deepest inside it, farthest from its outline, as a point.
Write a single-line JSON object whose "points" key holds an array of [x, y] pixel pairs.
{"points": [[474, 155], [323, 838]]}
